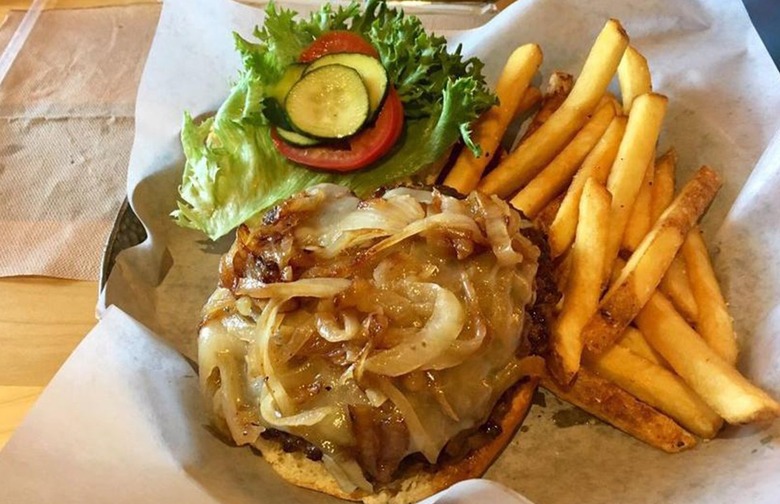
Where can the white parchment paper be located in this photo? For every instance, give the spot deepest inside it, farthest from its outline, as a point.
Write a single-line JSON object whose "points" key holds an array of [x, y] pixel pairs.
{"points": [[724, 96]]}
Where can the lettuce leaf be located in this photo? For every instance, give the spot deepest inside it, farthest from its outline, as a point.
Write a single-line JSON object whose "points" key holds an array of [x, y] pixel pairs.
{"points": [[233, 171]]}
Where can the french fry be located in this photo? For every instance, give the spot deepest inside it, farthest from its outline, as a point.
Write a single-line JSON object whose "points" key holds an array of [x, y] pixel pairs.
{"points": [[658, 387], [546, 216], [633, 340], [713, 321], [543, 144], [617, 269], [716, 381], [648, 264], [639, 222], [583, 289], [597, 166], [562, 271], [530, 99], [633, 77], [556, 175], [677, 287], [558, 88], [515, 78], [675, 283], [663, 183], [612, 99], [634, 155], [605, 400]]}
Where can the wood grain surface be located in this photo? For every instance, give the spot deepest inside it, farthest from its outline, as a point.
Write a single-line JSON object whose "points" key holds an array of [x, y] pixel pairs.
{"points": [[41, 322]]}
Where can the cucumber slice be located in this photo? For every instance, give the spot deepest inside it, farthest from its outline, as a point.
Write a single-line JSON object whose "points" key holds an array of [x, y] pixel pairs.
{"points": [[292, 74], [370, 69], [328, 102], [274, 112], [294, 138]]}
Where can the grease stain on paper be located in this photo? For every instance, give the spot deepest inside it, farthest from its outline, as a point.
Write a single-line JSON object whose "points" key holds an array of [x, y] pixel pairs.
{"points": [[539, 399], [571, 417]]}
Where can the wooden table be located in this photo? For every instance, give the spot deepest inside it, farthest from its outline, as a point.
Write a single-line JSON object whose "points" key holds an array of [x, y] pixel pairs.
{"points": [[41, 322]]}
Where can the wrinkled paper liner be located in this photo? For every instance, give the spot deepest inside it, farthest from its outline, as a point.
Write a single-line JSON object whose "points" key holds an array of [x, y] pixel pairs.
{"points": [[724, 95]]}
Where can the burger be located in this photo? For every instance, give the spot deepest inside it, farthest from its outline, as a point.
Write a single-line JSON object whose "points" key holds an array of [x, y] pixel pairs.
{"points": [[377, 349], [373, 344]]}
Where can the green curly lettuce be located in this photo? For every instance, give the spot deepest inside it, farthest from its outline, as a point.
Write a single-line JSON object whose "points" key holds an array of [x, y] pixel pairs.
{"points": [[233, 172]]}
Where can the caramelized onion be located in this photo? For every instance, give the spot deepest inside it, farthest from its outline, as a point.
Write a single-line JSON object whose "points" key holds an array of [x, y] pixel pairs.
{"points": [[329, 329], [304, 418], [305, 287], [420, 438], [377, 219], [421, 195], [293, 340], [449, 221], [222, 358], [439, 332], [347, 473], [268, 323], [220, 302], [498, 235], [460, 350]]}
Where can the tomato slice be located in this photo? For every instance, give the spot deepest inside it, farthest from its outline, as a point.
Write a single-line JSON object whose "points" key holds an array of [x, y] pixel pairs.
{"points": [[363, 149], [337, 42]]}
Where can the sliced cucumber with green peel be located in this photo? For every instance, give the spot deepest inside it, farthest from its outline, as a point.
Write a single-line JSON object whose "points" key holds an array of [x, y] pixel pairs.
{"points": [[328, 102], [273, 108], [294, 138], [370, 69], [292, 74], [274, 112]]}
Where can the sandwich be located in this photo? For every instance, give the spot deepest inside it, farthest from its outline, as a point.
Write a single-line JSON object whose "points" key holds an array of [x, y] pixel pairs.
{"points": [[374, 337], [378, 349]]}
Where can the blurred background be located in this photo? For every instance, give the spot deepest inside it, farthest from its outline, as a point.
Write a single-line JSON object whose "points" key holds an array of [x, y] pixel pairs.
{"points": [[765, 15]]}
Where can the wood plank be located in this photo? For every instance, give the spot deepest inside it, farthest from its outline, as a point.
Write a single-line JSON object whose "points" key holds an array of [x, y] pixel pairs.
{"points": [[14, 404], [41, 322]]}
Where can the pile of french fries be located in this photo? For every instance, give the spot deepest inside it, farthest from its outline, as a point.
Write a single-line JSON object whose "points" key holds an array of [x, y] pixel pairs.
{"points": [[643, 338]]}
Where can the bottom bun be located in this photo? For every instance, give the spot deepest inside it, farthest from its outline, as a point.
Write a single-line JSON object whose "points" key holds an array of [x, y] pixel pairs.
{"points": [[415, 482]]}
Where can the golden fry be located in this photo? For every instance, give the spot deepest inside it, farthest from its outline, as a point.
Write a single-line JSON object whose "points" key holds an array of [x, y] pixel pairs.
{"points": [[663, 183], [605, 400], [634, 155], [596, 166], [530, 99], [675, 283], [539, 149], [617, 269], [677, 287], [556, 175], [713, 321], [548, 213], [648, 264], [515, 78], [716, 381], [562, 270], [633, 76], [633, 340], [658, 387], [583, 289], [639, 222], [558, 88]]}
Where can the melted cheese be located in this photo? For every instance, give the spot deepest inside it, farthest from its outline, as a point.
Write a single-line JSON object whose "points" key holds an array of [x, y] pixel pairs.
{"points": [[446, 302]]}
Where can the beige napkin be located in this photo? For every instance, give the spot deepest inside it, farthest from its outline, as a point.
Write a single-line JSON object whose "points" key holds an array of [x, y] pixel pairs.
{"points": [[66, 128]]}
